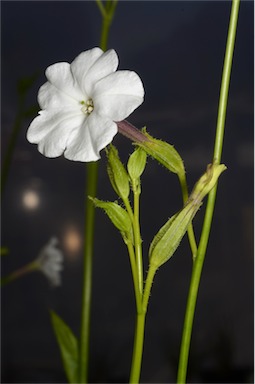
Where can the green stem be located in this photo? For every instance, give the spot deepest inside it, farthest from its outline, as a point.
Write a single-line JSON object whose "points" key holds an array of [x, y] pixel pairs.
{"points": [[11, 144], [140, 327], [28, 268], [132, 257], [107, 14], [92, 178], [138, 348], [138, 241], [198, 263], [191, 234], [101, 7]]}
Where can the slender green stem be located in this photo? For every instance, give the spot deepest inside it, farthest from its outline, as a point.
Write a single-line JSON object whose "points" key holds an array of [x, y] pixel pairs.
{"points": [[108, 14], [198, 263], [138, 241], [148, 285], [12, 142], [138, 295], [101, 7], [191, 234], [92, 178], [28, 268], [140, 327]]}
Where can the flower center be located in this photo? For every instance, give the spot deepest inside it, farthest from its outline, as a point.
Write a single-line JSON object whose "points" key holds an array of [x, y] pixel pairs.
{"points": [[87, 106]]}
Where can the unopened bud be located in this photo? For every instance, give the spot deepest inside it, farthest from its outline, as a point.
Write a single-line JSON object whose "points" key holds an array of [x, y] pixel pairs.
{"points": [[117, 173], [136, 163]]}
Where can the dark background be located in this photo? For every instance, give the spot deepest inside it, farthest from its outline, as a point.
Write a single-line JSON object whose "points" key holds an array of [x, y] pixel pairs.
{"points": [[177, 48]]}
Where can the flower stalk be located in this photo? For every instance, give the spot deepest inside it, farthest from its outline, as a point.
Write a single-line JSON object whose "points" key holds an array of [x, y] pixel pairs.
{"points": [[25, 270], [49, 262], [199, 260]]}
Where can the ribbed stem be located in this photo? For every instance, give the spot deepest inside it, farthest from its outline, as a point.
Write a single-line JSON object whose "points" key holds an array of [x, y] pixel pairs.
{"points": [[198, 262]]}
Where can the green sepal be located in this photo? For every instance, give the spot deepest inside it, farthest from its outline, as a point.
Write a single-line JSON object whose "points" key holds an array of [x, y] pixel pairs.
{"points": [[136, 163], [164, 153], [68, 347], [118, 216], [117, 173]]}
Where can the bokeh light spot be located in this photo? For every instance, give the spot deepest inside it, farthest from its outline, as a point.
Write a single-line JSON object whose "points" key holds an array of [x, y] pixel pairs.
{"points": [[72, 242], [30, 199]]}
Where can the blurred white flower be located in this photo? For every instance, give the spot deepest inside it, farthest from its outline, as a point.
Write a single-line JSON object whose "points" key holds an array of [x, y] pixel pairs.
{"points": [[50, 262], [81, 103]]}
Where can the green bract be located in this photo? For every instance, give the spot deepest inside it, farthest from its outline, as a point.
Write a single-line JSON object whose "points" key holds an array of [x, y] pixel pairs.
{"points": [[207, 181], [118, 216], [169, 236]]}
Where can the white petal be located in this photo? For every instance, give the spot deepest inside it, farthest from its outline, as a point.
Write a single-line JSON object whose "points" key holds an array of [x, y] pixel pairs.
{"points": [[61, 77], [95, 134], [82, 63], [118, 95], [91, 66], [53, 129], [51, 97]]}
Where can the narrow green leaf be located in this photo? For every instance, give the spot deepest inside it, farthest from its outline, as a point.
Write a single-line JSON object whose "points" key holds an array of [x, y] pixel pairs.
{"points": [[68, 347]]}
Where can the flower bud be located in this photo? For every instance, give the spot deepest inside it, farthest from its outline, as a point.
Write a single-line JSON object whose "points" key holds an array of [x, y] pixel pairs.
{"points": [[117, 173], [136, 163]]}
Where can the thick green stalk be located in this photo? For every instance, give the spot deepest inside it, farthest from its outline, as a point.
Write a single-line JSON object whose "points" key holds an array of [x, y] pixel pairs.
{"points": [[92, 178], [198, 262], [138, 348]]}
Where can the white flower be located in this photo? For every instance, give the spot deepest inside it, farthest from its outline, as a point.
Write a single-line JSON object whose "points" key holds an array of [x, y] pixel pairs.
{"points": [[50, 262], [81, 103]]}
